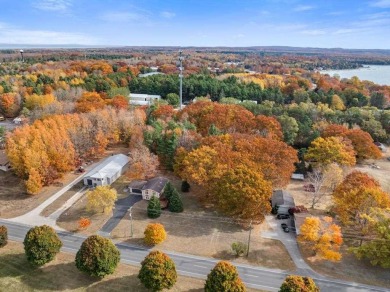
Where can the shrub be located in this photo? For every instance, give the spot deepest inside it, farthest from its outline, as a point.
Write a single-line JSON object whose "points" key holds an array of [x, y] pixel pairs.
{"points": [[154, 234], [97, 256], [154, 208], [298, 283], [239, 248], [41, 244], [224, 277], [185, 186], [175, 203], [84, 222], [157, 271], [3, 236]]}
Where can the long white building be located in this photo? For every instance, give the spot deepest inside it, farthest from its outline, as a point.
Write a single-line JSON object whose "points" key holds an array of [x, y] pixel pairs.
{"points": [[143, 99]]}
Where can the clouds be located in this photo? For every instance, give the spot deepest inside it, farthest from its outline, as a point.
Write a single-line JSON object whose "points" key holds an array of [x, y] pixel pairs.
{"points": [[122, 16], [302, 8], [52, 5], [167, 14], [381, 3], [14, 35]]}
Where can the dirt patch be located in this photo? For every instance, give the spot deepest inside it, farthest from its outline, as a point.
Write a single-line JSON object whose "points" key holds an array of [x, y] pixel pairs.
{"points": [[61, 274], [14, 201], [350, 269], [381, 174], [69, 219]]}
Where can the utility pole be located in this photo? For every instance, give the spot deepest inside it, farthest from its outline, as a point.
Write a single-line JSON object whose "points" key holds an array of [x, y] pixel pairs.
{"points": [[181, 58], [249, 238], [131, 222]]}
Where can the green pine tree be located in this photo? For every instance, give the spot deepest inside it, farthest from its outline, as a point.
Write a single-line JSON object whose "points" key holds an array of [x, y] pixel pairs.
{"points": [[154, 208], [175, 202], [168, 190]]}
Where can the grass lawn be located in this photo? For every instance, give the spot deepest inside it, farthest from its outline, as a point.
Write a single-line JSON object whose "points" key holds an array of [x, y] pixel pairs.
{"points": [[61, 275]]}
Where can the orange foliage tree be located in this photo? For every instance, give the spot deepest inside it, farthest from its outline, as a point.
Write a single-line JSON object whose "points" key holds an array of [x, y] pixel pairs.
{"points": [[84, 222], [362, 141], [154, 234], [268, 127], [90, 101], [9, 104], [321, 236], [356, 195]]}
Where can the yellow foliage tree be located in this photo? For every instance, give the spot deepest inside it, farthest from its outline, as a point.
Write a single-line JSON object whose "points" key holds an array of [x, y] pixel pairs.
{"points": [[324, 151], [38, 101], [34, 182], [322, 236], [102, 198], [154, 234], [337, 103]]}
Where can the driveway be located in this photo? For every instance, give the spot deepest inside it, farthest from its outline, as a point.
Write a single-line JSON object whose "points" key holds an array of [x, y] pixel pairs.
{"points": [[290, 242], [120, 210]]}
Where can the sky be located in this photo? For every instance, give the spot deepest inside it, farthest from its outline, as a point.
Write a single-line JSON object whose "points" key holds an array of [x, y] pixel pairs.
{"points": [[359, 24]]}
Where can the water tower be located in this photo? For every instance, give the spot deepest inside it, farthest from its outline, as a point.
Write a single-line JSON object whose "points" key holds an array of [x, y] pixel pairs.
{"points": [[21, 54]]}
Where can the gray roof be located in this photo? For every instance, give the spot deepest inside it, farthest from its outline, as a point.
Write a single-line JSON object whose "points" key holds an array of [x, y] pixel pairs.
{"points": [[137, 184], [156, 184], [109, 166], [281, 197]]}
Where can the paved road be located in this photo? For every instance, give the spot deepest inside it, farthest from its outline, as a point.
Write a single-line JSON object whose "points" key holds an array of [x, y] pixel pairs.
{"points": [[120, 210], [199, 267]]}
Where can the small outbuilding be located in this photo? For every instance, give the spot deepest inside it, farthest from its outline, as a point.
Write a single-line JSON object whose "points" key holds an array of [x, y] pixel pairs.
{"points": [[283, 201], [143, 99], [108, 171], [147, 189]]}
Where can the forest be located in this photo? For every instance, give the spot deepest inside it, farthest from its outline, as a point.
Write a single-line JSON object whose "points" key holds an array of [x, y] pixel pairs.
{"points": [[250, 121]]}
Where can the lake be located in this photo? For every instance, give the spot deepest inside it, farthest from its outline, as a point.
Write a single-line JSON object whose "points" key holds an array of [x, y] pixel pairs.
{"points": [[379, 74]]}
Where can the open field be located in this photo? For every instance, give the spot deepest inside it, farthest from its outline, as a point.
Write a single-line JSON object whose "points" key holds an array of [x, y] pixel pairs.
{"points": [[350, 269], [14, 201], [196, 231], [61, 275]]}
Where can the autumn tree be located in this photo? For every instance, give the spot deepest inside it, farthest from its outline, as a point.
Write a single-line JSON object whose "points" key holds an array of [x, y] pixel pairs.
{"points": [[154, 207], [154, 234], [242, 192], [97, 256], [356, 195], [294, 283], [321, 236], [10, 104], [363, 145], [323, 151], [84, 223], [224, 277], [38, 101], [101, 199], [41, 244], [143, 163], [324, 180], [120, 102], [158, 271], [376, 248], [268, 127], [90, 101]]}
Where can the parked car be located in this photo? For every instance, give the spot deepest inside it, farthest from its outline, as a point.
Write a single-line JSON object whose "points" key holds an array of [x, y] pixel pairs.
{"points": [[2, 118], [282, 216], [286, 230], [284, 225]]}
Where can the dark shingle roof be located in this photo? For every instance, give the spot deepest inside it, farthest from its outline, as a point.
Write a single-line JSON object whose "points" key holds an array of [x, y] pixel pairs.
{"points": [[156, 184]]}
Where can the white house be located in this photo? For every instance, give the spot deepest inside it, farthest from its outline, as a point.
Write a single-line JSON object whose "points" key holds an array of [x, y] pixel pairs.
{"points": [[147, 189], [143, 99], [108, 171]]}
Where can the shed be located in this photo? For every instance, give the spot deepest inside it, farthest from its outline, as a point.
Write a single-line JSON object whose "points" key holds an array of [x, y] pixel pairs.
{"points": [[143, 99], [283, 200], [147, 189], [108, 171]]}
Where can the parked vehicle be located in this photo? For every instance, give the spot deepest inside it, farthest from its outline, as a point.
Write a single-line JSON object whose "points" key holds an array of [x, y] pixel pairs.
{"points": [[284, 225], [282, 216], [286, 230], [2, 118]]}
